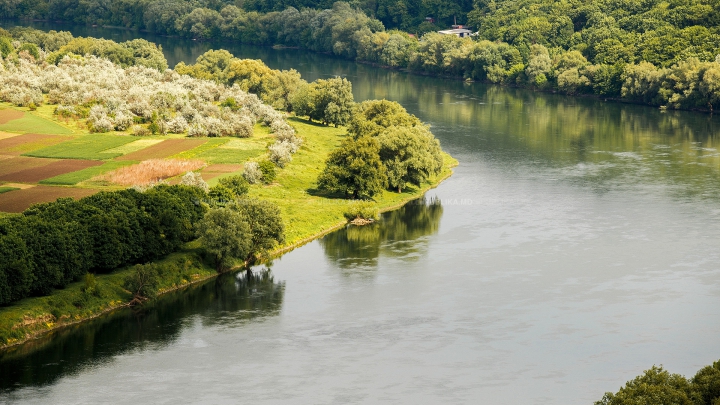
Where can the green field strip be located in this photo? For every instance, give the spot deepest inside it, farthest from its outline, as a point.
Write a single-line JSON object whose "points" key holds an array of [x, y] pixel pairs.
{"points": [[6, 189], [133, 146], [33, 124], [221, 155], [71, 179], [93, 147], [193, 153]]}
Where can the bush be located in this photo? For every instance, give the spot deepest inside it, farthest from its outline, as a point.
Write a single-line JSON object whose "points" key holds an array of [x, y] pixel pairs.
{"points": [[362, 210], [252, 173], [139, 130], [194, 179], [237, 184], [281, 153], [268, 171], [143, 282]]}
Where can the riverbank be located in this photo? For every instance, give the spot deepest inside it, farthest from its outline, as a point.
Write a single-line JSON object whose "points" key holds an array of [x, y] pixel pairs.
{"points": [[307, 217]]}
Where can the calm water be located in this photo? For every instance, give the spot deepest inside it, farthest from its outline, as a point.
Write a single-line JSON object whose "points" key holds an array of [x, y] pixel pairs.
{"points": [[575, 246]]}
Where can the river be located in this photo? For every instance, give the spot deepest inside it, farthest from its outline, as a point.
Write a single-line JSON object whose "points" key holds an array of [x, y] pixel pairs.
{"points": [[575, 246]]}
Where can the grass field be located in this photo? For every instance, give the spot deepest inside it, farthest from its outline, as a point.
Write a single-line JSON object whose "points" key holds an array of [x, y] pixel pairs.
{"points": [[93, 147], [71, 179], [31, 123], [20, 144], [6, 189]]}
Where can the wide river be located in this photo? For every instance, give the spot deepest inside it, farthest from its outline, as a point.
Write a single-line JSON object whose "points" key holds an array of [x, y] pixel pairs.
{"points": [[576, 245]]}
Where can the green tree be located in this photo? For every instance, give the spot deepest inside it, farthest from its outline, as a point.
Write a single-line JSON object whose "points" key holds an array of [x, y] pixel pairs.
{"points": [[706, 385], [372, 117], [225, 235], [655, 387], [266, 226], [354, 169], [410, 155]]}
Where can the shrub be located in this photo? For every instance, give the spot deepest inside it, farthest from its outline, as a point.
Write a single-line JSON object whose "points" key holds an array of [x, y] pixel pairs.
{"points": [[194, 179], [361, 209], [177, 125], [237, 184], [139, 130], [252, 173], [143, 282], [268, 171], [281, 153]]}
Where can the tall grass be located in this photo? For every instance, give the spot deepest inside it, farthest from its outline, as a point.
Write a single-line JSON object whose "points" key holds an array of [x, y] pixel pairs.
{"points": [[151, 171]]}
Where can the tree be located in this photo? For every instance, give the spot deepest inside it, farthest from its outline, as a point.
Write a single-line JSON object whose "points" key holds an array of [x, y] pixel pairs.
{"points": [[225, 235], [354, 169], [410, 155], [266, 226], [330, 101], [706, 385], [372, 117], [655, 387]]}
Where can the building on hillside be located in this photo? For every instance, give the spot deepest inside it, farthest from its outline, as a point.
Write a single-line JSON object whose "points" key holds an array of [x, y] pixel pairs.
{"points": [[457, 30]]}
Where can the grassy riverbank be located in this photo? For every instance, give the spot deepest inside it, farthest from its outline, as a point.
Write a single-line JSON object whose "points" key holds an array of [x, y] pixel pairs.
{"points": [[306, 216]]}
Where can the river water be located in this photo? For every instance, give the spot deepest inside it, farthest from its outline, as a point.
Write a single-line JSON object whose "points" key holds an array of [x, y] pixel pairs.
{"points": [[575, 246]]}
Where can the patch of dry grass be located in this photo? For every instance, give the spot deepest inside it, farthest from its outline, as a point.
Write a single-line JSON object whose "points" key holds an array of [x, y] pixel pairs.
{"points": [[151, 171]]}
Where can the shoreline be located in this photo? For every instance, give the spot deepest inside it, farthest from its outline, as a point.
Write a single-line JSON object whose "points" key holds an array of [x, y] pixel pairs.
{"points": [[50, 327]]}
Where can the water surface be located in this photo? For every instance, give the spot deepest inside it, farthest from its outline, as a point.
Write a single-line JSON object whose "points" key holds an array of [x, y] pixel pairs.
{"points": [[574, 247]]}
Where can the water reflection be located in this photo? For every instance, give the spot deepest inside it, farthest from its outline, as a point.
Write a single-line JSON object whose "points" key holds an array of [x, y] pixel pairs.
{"points": [[397, 234], [228, 300]]}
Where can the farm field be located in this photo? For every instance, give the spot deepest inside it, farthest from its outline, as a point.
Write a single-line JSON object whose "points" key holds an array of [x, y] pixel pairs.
{"points": [[43, 158]]}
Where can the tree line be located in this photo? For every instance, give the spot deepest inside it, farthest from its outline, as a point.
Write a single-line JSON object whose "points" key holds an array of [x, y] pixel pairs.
{"points": [[651, 52], [53, 244]]}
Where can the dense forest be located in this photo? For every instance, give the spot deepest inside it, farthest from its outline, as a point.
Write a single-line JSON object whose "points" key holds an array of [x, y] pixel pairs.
{"points": [[650, 52]]}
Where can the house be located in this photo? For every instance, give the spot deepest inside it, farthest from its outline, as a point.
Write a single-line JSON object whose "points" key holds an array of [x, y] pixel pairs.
{"points": [[460, 32]]}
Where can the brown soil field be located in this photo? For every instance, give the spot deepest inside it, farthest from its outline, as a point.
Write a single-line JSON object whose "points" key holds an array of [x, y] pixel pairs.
{"points": [[215, 170], [20, 200], [27, 142], [17, 163], [33, 175], [9, 115], [163, 149]]}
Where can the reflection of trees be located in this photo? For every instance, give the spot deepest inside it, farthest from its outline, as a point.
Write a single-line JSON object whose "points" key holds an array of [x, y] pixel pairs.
{"points": [[398, 233], [228, 300]]}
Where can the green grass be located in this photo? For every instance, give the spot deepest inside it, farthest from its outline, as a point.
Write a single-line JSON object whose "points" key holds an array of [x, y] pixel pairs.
{"points": [[222, 155], [307, 215], [6, 189], [134, 146], [93, 147], [212, 143], [71, 179], [34, 124]]}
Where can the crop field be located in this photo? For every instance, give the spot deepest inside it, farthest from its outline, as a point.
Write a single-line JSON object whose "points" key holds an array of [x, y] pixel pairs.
{"points": [[64, 160], [73, 178], [34, 175], [20, 200], [18, 163], [17, 145], [11, 121], [163, 149], [92, 147]]}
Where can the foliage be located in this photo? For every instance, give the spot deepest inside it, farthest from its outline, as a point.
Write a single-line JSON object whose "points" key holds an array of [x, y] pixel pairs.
{"points": [[225, 234], [410, 155], [265, 224], [267, 168], [194, 179], [252, 173], [354, 169], [329, 101], [144, 280], [53, 244], [362, 209], [658, 386], [236, 184]]}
